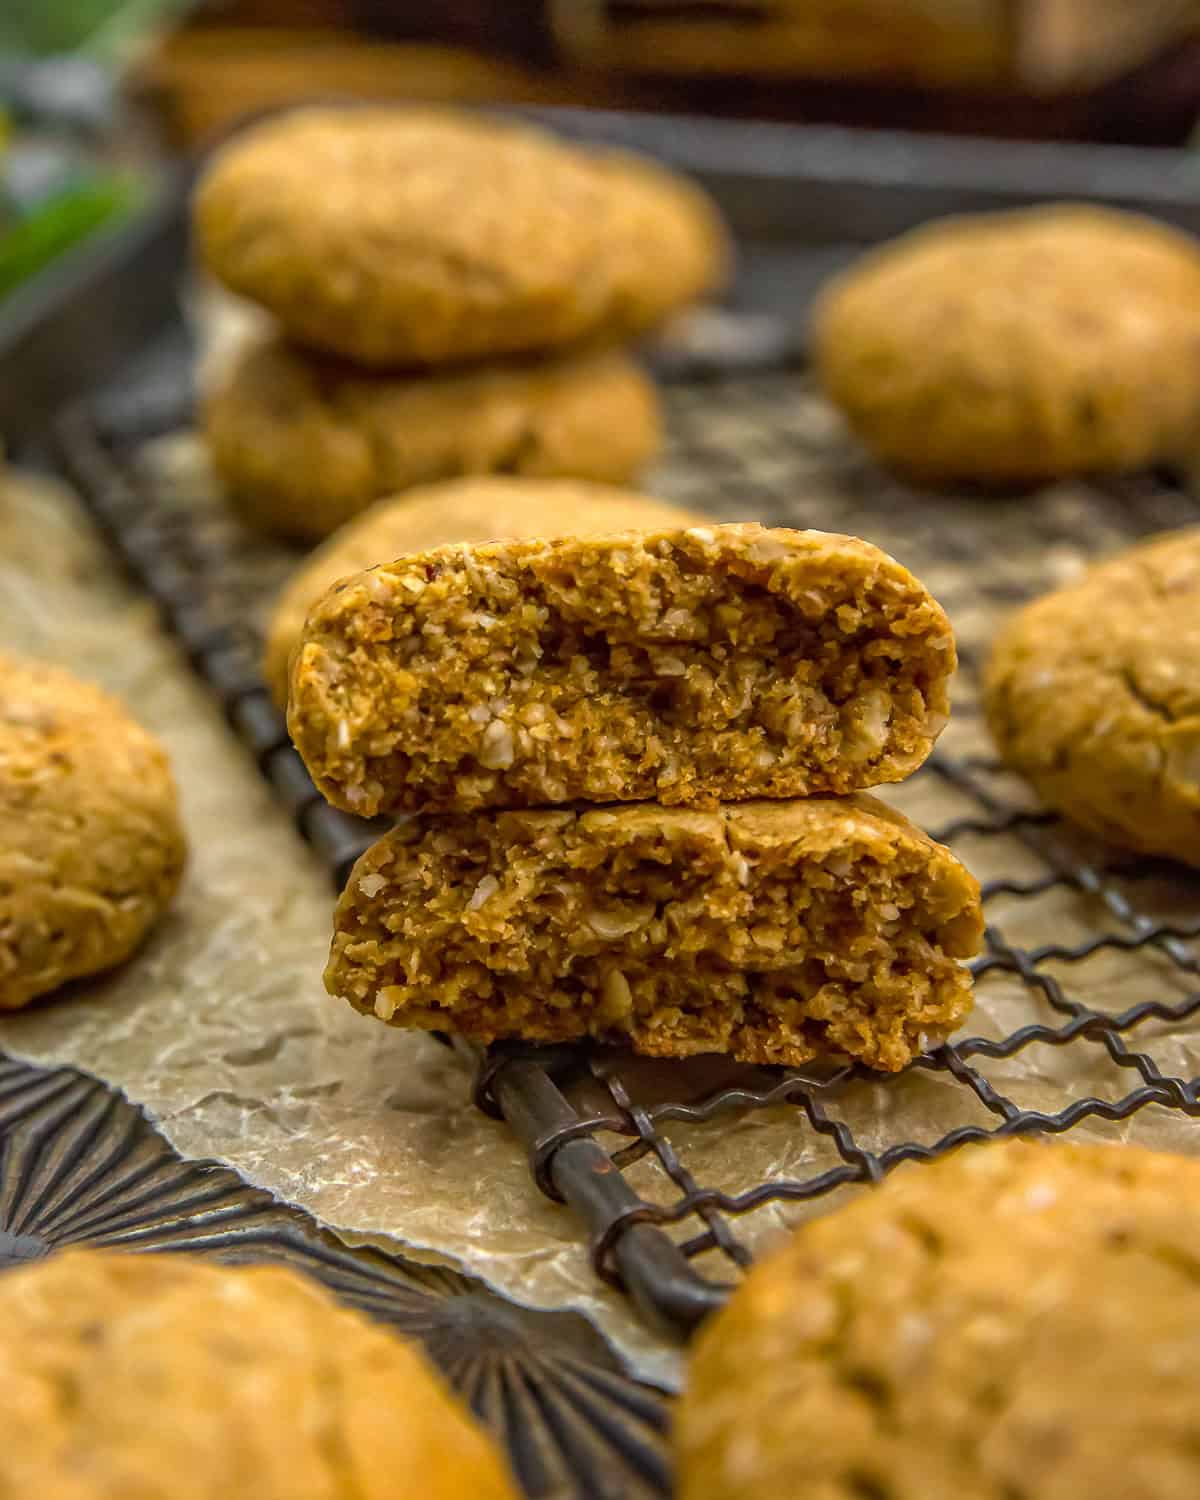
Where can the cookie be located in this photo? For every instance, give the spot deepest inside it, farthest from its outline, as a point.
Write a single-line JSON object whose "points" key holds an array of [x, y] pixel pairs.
{"points": [[303, 444], [398, 236], [461, 510], [1093, 694], [1018, 1319], [687, 667], [168, 1378], [91, 845], [1016, 348], [774, 932]]}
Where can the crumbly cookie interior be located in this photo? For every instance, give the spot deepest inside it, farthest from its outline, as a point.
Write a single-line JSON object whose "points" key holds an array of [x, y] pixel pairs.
{"points": [[677, 932], [488, 677]]}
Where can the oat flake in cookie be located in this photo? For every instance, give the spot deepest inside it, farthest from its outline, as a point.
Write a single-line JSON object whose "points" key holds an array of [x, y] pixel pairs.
{"points": [[91, 845], [1093, 694], [689, 667], [771, 931], [1018, 1319]]}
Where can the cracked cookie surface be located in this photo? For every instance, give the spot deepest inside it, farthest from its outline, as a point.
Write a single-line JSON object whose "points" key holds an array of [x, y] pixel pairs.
{"points": [[304, 444], [774, 932], [1017, 1319], [168, 1378], [689, 667], [407, 236], [1093, 694], [91, 844], [460, 510], [1019, 347]]}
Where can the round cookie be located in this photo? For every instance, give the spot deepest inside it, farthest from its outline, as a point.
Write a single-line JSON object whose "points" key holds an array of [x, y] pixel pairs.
{"points": [[400, 236], [1093, 694], [461, 510], [1018, 347], [167, 1378], [304, 444], [91, 845], [1016, 1320]]}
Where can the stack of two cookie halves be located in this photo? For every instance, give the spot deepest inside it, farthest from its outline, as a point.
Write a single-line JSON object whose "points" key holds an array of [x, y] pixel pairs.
{"points": [[634, 766], [452, 295]]}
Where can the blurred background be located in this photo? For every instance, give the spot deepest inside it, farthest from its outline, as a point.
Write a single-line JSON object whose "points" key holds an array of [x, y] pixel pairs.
{"points": [[1092, 69], [97, 95]]}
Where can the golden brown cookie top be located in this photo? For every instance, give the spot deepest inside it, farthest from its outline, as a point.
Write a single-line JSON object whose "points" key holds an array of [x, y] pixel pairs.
{"points": [[413, 236], [458, 510], [1031, 248], [1017, 1319], [304, 443], [91, 846], [52, 724], [175, 1379], [1094, 692], [1018, 346]]}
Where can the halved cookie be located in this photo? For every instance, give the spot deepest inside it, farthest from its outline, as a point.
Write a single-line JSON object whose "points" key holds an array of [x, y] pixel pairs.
{"points": [[480, 509], [771, 931], [687, 666]]}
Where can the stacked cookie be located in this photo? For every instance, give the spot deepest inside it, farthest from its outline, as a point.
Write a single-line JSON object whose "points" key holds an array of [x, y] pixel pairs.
{"points": [[637, 761], [452, 292]]}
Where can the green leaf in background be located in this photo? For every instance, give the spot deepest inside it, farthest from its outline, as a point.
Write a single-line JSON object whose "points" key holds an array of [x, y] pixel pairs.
{"points": [[101, 28], [62, 221]]}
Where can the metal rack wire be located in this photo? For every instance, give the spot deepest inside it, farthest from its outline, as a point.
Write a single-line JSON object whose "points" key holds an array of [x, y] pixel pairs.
{"points": [[754, 446]]}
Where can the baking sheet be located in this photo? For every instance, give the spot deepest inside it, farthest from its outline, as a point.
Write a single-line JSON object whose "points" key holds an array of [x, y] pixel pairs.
{"points": [[221, 1028]]}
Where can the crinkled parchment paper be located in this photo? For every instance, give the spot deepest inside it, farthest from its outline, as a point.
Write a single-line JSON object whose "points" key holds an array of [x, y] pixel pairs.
{"points": [[222, 1031]]}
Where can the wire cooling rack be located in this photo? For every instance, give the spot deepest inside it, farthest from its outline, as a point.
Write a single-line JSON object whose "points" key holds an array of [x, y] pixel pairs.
{"points": [[1089, 976]]}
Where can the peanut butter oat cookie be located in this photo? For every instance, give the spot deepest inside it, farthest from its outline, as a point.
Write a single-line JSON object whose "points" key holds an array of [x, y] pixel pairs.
{"points": [[398, 236], [459, 510], [1019, 347], [91, 846], [688, 667], [771, 931], [1093, 694], [304, 444], [1018, 1319], [167, 1378]]}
